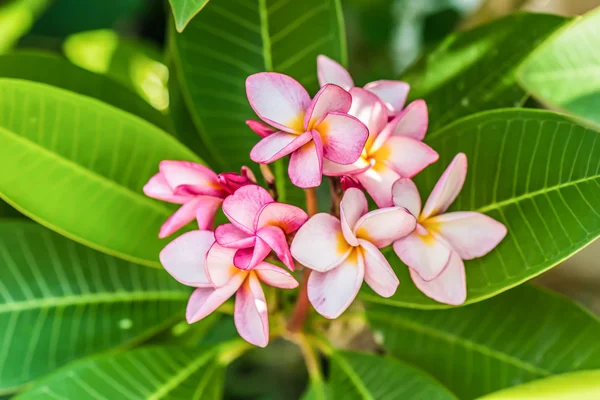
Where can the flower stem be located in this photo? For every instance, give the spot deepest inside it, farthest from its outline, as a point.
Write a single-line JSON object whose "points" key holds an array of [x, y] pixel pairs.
{"points": [[311, 201], [336, 195], [311, 359]]}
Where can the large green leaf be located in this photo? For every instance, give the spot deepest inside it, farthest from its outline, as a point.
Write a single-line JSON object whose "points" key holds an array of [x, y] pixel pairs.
{"points": [[536, 172], [474, 71], [177, 373], [370, 377], [522, 335], [60, 301], [185, 10], [565, 71], [59, 72], [582, 385], [78, 166]]}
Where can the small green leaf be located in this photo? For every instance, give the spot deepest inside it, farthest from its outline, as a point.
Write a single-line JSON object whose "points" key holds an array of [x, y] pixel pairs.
{"points": [[583, 385], [185, 10], [474, 71], [564, 72], [60, 301], [16, 19], [78, 166], [536, 172], [369, 377], [521, 335]]}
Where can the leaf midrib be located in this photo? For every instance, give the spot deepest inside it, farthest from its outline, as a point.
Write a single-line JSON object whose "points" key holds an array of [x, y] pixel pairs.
{"points": [[362, 389]]}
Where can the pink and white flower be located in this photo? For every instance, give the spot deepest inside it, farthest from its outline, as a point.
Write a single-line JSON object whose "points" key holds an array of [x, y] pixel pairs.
{"points": [[392, 93], [258, 225], [308, 130], [435, 251], [194, 259], [197, 188], [393, 150], [344, 253]]}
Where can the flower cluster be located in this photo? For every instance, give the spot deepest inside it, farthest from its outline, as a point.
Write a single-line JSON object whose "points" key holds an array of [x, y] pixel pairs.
{"points": [[364, 138]]}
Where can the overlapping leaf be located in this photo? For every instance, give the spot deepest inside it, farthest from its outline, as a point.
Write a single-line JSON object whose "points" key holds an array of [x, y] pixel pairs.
{"points": [[536, 172], [519, 336], [78, 166], [60, 301], [185, 10]]}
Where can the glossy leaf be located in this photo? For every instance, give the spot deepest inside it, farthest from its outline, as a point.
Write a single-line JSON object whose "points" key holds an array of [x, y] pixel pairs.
{"points": [[564, 72], [583, 385], [78, 166], [368, 377], [60, 73], [60, 301], [185, 10], [519, 336], [536, 172], [474, 71], [177, 373]]}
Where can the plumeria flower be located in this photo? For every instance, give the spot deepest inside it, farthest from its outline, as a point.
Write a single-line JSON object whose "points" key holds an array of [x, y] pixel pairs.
{"points": [[436, 249], [308, 130], [344, 253], [258, 225], [392, 93], [194, 259], [197, 188], [393, 150]]}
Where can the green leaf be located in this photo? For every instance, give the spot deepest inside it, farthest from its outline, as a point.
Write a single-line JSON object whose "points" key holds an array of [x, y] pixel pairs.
{"points": [[370, 377], [564, 72], [17, 18], [78, 166], [63, 74], [536, 172], [474, 71], [60, 301], [583, 385], [522, 335], [185, 10], [145, 373]]}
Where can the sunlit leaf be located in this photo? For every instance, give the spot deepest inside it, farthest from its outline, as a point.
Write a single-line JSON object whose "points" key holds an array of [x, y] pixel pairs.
{"points": [[17, 18], [185, 10]]}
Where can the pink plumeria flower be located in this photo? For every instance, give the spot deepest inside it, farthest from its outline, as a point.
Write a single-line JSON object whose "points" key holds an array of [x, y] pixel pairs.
{"points": [[194, 259], [393, 150], [258, 225], [197, 188], [436, 249], [308, 130], [392, 93], [344, 253]]}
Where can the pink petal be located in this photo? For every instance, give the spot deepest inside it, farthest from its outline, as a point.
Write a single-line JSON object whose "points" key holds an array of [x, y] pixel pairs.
{"points": [[206, 211], [262, 130], [242, 207], [196, 176], [470, 234], [411, 122], [306, 164], [204, 301], [249, 258], [278, 100], [330, 71], [319, 244], [278, 145], [158, 188], [330, 98], [334, 169], [405, 155], [275, 238], [219, 265], [275, 276], [228, 235], [348, 182], [405, 194], [379, 275], [447, 188], [332, 292], [353, 206], [343, 137], [287, 217], [230, 181], [370, 111], [392, 93], [423, 252], [250, 315], [184, 257], [378, 182], [183, 216], [385, 225], [450, 287]]}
